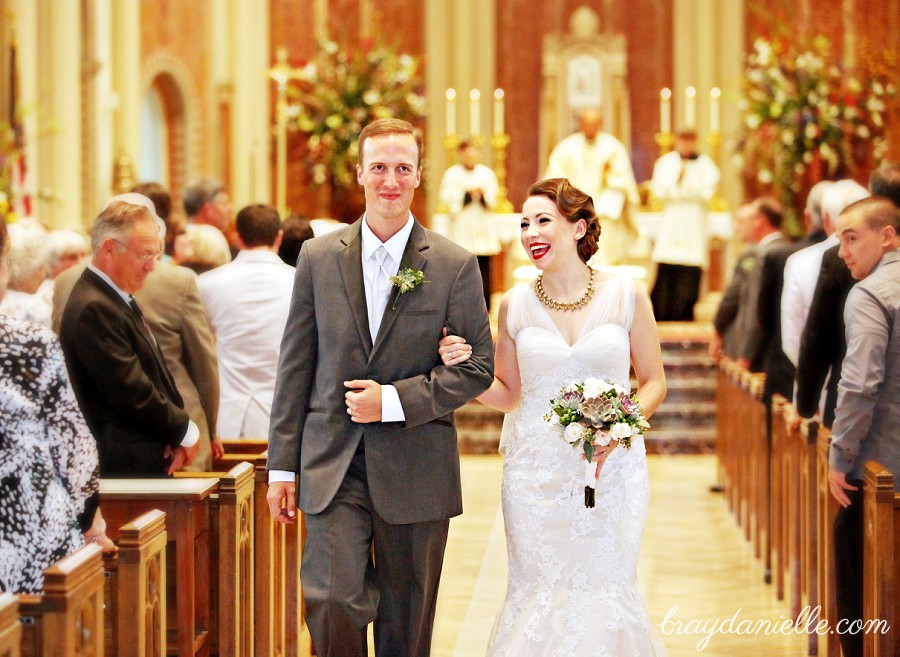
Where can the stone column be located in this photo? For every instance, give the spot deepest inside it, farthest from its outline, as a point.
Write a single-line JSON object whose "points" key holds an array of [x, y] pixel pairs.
{"points": [[250, 119], [126, 86], [58, 140]]}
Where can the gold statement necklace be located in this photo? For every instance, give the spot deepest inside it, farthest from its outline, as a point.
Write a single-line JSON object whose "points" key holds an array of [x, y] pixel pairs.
{"points": [[560, 305]]}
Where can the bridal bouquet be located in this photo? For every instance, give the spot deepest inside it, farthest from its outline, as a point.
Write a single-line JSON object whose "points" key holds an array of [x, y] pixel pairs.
{"points": [[595, 412]]}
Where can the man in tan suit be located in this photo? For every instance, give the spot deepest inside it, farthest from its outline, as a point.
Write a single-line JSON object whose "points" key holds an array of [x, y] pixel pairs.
{"points": [[171, 304]]}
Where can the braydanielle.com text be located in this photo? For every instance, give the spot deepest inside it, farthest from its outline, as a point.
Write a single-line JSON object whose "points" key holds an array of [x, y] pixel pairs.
{"points": [[809, 621]]}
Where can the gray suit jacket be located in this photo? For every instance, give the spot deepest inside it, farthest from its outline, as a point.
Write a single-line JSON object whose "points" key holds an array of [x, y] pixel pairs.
{"points": [[412, 466], [171, 303]]}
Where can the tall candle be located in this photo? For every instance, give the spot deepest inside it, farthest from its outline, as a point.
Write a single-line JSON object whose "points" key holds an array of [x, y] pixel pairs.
{"points": [[690, 111], [499, 126], [714, 94], [665, 110], [451, 112], [474, 112]]}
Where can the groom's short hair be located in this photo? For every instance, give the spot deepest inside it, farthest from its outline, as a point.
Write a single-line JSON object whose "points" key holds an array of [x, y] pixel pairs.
{"points": [[383, 127]]}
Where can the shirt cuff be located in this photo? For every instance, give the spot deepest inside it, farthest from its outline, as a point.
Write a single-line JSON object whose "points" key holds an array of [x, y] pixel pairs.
{"points": [[281, 475], [391, 409], [191, 436]]}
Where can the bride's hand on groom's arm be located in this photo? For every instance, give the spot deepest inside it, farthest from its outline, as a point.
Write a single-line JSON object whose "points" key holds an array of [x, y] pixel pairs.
{"points": [[454, 349]]}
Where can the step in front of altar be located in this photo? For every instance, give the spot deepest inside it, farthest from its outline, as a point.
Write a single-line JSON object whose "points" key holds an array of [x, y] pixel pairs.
{"points": [[685, 423]]}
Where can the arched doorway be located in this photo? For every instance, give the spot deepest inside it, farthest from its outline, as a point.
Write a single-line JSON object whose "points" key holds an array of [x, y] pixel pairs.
{"points": [[163, 128]]}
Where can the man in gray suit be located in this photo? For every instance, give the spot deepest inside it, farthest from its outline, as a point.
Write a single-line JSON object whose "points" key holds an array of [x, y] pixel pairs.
{"points": [[867, 413], [363, 408]]}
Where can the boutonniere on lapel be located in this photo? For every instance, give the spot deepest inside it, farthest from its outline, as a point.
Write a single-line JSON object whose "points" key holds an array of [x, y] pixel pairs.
{"points": [[405, 281]]}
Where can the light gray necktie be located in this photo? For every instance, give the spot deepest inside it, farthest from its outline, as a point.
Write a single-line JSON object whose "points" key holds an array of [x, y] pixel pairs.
{"points": [[381, 290]]}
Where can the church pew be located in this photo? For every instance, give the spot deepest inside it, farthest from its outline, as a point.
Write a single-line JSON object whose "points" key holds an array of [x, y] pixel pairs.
{"points": [[726, 429], [758, 465], [805, 448], [278, 593], [231, 559], [186, 503], [238, 451], [67, 619], [781, 469], [828, 643], [10, 627], [881, 559], [135, 589]]}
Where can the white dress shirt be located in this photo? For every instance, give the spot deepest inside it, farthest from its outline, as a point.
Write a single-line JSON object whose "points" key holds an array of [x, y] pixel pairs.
{"points": [[379, 292], [801, 273], [247, 302], [192, 435]]}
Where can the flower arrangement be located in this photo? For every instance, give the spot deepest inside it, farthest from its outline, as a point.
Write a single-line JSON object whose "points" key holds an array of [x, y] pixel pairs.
{"points": [[596, 412], [7, 154], [338, 92], [806, 117], [406, 279]]}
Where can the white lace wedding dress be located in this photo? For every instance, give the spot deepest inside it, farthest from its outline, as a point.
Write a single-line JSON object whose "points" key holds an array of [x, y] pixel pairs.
{"points": [[572, 588]]}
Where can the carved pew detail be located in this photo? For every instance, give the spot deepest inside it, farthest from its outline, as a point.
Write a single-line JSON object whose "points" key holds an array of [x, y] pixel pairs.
{"points": [[881, 566], [67, 620], [186, 504], [136, 603]]}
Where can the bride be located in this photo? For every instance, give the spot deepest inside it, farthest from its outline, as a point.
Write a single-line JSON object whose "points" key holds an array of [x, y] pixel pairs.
{"points": [[572, 587]]}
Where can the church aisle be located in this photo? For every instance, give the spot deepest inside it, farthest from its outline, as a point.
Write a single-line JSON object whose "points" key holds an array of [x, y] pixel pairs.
{"points": [[695, 567]]}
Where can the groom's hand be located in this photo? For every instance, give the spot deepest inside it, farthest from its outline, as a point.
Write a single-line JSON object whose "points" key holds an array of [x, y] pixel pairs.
{"points": [[363, 400], [282, 500]]}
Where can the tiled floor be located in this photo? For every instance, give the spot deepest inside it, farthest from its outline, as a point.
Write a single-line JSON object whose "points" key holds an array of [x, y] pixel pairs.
{"points": [[695, 566]]}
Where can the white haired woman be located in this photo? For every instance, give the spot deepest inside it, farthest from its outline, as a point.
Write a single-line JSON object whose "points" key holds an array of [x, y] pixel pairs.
{"points": [[48, 457]]}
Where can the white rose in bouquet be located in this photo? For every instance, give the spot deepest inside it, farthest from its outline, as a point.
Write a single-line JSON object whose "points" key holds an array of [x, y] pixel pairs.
{"points": [[602, 438], [621, 430], [573, 433]]}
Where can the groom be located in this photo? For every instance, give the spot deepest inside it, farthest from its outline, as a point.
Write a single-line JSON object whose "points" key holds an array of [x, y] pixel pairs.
{"points": [[363, 409]]}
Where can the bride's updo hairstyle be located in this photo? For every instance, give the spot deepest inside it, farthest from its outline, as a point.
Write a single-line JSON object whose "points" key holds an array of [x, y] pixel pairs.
{"points": [[574, 205]]}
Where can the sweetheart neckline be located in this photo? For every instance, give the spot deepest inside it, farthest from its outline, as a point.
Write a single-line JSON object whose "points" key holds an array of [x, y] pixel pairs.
{"points": [[555, 331]]}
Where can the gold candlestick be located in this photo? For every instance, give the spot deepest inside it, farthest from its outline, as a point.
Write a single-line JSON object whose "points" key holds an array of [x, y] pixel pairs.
{"points": [[281, 73], [499, 143], [665, 141]]}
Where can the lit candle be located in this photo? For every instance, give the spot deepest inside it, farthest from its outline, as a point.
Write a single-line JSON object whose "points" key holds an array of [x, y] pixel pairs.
{"points": [[451, 112], [474, 112], [690, 112], [714, 94], [499, 126], [665, 110]]}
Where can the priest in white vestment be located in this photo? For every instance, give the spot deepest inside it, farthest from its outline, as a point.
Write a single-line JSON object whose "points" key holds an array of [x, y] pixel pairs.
{"points": [[598, 164], [685, 182], [469, 192]]}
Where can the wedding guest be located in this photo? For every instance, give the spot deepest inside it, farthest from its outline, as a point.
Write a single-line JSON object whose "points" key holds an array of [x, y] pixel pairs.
{"points": [[730, 321], [48, 457], [123, 385], [208, 208], [172, 307], [295, 231], [867, 413], [28, 269], [247, 303]]}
